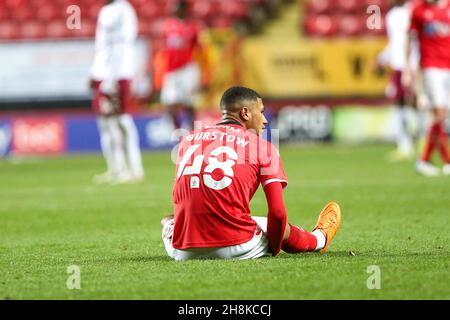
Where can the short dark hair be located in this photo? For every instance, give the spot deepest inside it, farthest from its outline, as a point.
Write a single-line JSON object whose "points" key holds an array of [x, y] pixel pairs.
{"points": [[234, 97]]}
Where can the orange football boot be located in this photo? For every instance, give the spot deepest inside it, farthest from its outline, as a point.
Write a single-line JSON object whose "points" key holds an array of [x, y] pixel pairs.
{"points": [[329, 222]]}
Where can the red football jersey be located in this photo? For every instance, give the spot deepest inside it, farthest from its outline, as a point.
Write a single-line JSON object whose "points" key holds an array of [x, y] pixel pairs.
{"points": [[219, 169], [432, 24], [180, 38]]}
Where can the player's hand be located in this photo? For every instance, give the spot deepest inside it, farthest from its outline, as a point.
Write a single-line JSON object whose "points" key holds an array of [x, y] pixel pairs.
{"points": [[408, 78], [92, 84]]}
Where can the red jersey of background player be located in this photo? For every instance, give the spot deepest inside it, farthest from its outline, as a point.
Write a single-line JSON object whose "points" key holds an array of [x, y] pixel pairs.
{"points": [[432, 24], [219, 169], [180, 38]]}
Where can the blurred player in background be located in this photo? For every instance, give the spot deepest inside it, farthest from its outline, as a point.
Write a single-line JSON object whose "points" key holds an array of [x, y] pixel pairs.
{"points": [[111, 75], [219, 168], [394, 56], [430, 24], [182, 79]]}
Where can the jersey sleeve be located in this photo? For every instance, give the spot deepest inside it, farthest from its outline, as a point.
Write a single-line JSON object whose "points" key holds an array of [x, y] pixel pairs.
{"points": [[415, 22], [276, 216], [270, 165]]}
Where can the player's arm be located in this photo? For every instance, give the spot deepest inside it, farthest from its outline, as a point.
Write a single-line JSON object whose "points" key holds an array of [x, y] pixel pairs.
{"points": [[99, 47], [408, 74], [276, 217]]}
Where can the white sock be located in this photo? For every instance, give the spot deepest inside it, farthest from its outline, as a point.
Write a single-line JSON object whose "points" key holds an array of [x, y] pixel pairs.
{"points": [[106, 142], [404, 140], [132, 148], [320, 239], [118, 145]]}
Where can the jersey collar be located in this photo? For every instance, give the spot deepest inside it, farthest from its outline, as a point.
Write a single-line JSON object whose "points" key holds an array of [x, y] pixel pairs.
{"points": [[230, 121]]}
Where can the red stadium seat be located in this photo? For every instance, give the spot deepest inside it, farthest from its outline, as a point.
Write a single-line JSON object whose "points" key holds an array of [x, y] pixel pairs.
{"points": [[235, 9], [88, 2], [14, 4], [350, 25], [309, 24], [22, 14], [4, 13], [321, 26], [351, 6], [57, 29], [138, 3], [166, 7], [64, 4], [32, 30], [36, 4], [150, 10], [382, 4], [48, 13], [202, 9], [94, 10], [87, 29], [9, 30], [221, 22], [320, 6]]}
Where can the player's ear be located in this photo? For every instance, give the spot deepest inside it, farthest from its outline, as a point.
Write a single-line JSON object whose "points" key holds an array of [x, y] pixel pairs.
{"points": [[245, 113]]}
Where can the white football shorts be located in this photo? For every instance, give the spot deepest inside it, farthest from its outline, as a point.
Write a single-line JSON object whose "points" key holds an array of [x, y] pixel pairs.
{"points": [[181, 86], [437, 86], [257, 247]]}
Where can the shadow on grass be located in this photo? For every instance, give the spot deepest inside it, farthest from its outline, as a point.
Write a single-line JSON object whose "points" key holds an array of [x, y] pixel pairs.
{"points": [[130, 259], [306, 255], [282, 256], [146, 259], [360, 254]]}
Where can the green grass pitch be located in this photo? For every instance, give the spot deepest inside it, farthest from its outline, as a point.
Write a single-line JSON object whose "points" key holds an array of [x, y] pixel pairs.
{"points": [[52, 217]]}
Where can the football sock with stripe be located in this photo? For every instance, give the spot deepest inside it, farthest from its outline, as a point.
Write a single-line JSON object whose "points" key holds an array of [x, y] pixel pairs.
{"points": [[430, 142], [300, 240], [443, 147]]}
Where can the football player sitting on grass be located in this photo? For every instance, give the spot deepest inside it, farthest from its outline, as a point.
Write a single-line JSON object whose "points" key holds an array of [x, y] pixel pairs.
{"points": [[218, 170]]}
